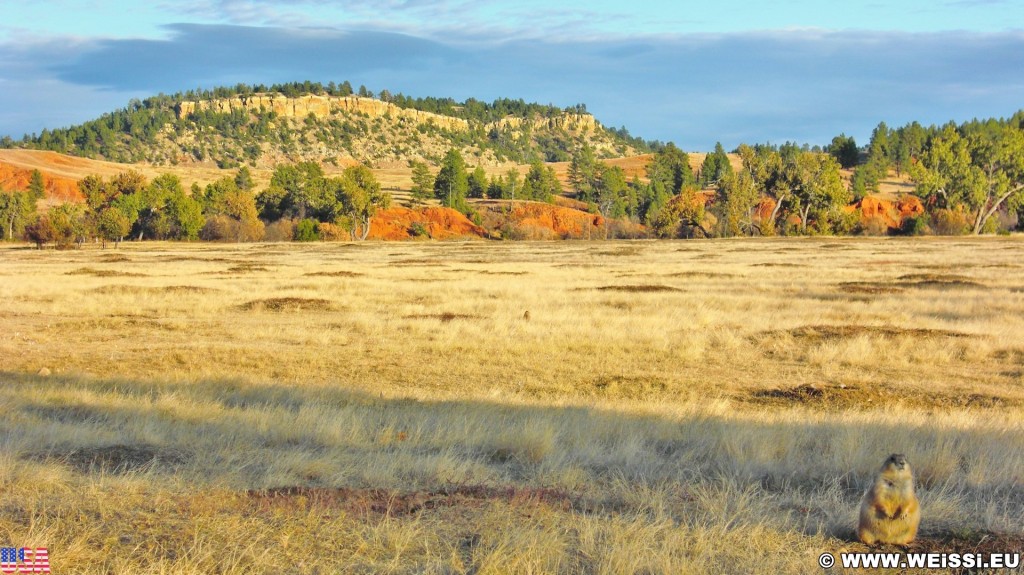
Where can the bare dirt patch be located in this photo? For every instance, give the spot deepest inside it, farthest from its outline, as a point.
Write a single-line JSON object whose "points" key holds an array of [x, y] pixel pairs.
{"points": [[642, 288], [113, 458], [703, 275], [287, 304], [623, 387], [981, 541], [114, 258], [444, 317], [247, 268], [418, 263], [121, 289], [488, 272], [625, 251], [817, 333], [104, 273], [911, 281], [840, 396], [870, 287], [826, 396], [334, 274], [363, 502], [941, 281]]}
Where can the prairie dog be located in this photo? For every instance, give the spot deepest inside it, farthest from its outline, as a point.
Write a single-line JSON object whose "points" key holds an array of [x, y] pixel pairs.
{"points": [[890, 512]]}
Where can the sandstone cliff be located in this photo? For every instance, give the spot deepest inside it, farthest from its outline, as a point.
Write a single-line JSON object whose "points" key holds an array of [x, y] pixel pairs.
{"points": [[320, 107]]}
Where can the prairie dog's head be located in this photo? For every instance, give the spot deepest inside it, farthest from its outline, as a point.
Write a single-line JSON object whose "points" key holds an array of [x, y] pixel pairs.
{"points": [[896, 464]]}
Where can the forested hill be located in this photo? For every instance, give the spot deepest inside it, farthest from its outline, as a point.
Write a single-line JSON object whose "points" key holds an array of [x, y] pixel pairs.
{"points": [[262, 126]]}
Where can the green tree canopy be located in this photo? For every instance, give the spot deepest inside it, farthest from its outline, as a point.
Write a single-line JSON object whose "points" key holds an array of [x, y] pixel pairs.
{"points": [[477, 183], [422, 182], [452, 183], [844, 149], [16, 211], [36, 185], [716, 165], [541, 183], [979, 172], [583, 172], [358, 196], [670, 169]]}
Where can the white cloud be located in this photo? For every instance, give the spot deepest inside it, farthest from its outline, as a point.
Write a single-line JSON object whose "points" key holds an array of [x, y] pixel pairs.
{"points": [[802, 85]]}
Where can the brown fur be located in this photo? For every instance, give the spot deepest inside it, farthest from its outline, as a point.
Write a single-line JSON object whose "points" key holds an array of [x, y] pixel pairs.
{"points": [[890, 512]]}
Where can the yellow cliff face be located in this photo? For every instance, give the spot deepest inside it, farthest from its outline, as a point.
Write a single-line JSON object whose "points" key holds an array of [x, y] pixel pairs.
{"points": [[568, 122], [320, 107], [325, 106]]}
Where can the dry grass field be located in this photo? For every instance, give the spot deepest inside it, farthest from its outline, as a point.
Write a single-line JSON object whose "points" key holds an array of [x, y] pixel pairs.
{"points": [[626, 407]]}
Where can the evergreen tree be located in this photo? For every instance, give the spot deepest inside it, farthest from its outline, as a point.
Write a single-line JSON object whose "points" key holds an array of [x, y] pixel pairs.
{"points": [[583, 172], [243, 179], [452, 183], [477, 183], [541, 183], [670, 169], [422, 182], [716, 165], [36, 186], [844, 149]]}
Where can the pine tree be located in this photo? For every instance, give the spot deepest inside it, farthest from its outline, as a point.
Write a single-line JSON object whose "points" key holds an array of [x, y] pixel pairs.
{"points": [[452, 182], [36, 186]]}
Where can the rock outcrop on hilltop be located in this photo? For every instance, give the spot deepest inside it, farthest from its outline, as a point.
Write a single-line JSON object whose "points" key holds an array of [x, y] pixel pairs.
{"points": [[319, 107]]}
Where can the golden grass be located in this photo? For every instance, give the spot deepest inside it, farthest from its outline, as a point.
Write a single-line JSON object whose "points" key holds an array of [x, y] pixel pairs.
{"points": [[665, 407]]}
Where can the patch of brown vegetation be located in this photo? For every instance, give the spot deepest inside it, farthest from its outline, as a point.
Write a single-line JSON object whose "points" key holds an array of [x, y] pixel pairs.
{"points": [[104, 273], [444, 317], [837, 332], [641, 288], [118, 289], [841, 396], [247, 268], [920, 281], [113, 458], [114, 258], [417, 262], [703, 275], [283, 304], [939, 281], [870, 287], [487, 272], [624, 387], [335, 274], [363, 502]]}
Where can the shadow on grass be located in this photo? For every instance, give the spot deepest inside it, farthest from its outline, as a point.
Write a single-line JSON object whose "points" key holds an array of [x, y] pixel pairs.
{"points": [[804, 473]]}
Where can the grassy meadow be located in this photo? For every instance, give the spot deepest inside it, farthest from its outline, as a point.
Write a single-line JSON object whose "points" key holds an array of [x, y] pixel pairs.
{"points": [[568, 407]]}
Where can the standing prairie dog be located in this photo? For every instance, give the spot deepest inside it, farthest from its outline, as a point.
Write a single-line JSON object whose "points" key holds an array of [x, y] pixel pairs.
{"points": [[890, 512]]}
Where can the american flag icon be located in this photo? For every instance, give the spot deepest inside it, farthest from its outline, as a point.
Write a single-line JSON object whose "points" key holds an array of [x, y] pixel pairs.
{"points": [[24, 560]]}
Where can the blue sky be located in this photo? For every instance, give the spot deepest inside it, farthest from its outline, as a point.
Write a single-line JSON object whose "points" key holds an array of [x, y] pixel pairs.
{"points": [[691, 72]]}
